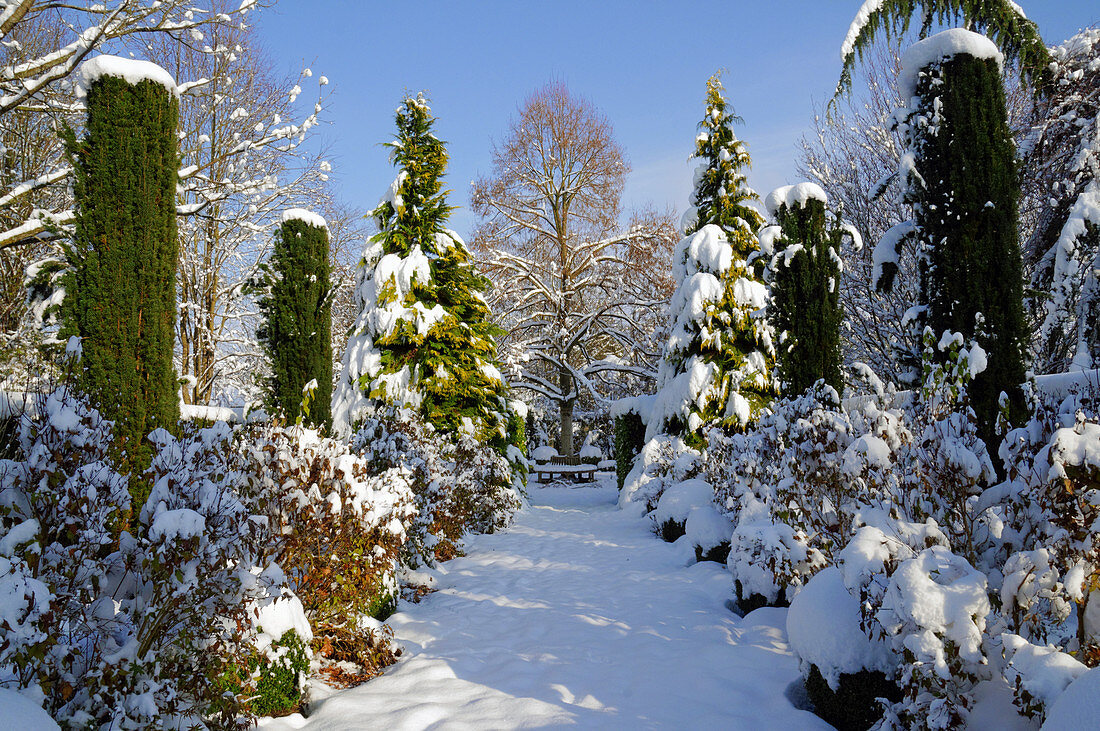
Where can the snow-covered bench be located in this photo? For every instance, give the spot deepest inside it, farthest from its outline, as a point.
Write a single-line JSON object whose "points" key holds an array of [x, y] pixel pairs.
{"points": [[564, 466]]}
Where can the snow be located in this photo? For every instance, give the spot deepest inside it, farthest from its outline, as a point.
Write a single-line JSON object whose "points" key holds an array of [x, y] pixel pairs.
{"points": [[886, 251], [1078, 707], [22, 714], [180, 523], [863, 15], [679, 499], [132, 70], [543, 453], [308, 217], [794, 195], [951, 42], [823, 630], [1044, 672], [1075, 446], [577, 616], [706, 250], [590, 452], [277, 617]]}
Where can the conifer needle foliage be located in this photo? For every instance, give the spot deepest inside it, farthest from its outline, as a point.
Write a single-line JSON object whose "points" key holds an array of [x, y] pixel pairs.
{"points": [[297, 329], [122, 293], [1002, 20], [736, 336], [423, 338]]}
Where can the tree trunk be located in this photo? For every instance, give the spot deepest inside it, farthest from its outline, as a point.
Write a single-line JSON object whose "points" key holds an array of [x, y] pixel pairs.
{"points": [[565, 436]]}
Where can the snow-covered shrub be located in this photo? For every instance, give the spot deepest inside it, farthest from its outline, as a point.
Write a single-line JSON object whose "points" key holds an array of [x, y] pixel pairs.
{"points": [[948, 464], [788, 491], [687, 508], [663, 462], [118, 629], [458, 486], [845, 670], [340, 523], [279, 688], [1037, 674]]}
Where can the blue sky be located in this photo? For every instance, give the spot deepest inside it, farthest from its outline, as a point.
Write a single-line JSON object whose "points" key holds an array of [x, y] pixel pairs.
{"points": [[643, 63]]}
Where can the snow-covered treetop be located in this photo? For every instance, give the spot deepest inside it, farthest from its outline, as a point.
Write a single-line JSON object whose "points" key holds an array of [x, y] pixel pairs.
{"points": [[949, 43], [308, 217], [721, 191], [129, 69], [794, 195]]}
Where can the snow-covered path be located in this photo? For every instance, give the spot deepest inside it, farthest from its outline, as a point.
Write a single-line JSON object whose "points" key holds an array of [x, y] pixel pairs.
{"points": [[578, 615]]}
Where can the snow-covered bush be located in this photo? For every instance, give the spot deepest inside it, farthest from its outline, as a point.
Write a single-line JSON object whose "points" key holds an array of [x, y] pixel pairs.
{"points": [[786, 485], [846, 671], [663, 462], [340, 523], [110, 628], [458, 486]]}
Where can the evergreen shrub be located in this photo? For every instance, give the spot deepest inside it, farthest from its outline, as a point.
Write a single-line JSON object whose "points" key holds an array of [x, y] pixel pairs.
{"points": [[297, 320], [854, 705]]}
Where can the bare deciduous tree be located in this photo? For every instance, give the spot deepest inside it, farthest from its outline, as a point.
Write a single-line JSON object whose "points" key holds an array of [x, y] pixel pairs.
{"points": [[243, 163], [559, 259]]}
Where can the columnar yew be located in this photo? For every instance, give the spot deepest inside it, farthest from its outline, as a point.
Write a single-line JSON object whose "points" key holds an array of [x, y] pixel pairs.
{"points": [[964, 192], [806, 295], [297, 310], [121, 297]]}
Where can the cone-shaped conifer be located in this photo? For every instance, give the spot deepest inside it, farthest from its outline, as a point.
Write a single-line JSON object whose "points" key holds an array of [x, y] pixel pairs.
{"points": [[423, 337]]}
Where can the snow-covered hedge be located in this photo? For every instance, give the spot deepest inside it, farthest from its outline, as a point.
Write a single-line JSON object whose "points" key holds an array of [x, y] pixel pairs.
{"points": [[117, 628], [201, 605], [960, 580], [458, 486]]}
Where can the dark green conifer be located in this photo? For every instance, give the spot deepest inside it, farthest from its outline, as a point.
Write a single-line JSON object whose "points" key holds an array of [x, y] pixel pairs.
{"points": [[297, 313], [805, 306], [121, 296], [966, 209]]}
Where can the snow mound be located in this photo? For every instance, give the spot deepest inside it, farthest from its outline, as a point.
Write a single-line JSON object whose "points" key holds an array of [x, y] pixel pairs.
{"points": [[129, 69], [678, 500], [590, 453], [1044, 672], [308, 217], [17, 712], [707, 527], [823, 630], [1079, 706], [952, 42], [706, 250], [543, 454], [794, 195]]}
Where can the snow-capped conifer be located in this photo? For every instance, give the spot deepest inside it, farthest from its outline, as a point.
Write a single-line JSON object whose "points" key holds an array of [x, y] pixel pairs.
{"points": [[721, 193], [297, 329], [718, 359], [122, 292], [960, 177], [805, 273], [422, 338]]}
